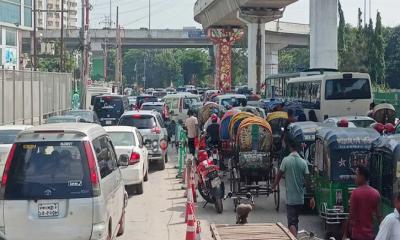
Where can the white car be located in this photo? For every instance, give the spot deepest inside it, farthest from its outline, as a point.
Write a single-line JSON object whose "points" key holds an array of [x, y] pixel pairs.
{"points": [[63, 182], [8, 134], [128, 141], [354, 121]]}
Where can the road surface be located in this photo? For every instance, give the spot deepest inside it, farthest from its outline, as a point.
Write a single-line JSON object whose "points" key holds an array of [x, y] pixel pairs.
{"points": [[158, 214]]}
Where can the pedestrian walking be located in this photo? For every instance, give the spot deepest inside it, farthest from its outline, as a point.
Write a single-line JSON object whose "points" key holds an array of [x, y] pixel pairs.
{"points": [[295, 169], [390, 226], [192, 126], [364, 205]]}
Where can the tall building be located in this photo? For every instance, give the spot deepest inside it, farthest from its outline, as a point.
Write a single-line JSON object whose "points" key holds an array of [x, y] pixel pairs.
{"points": [[15, 16], [52, 20]]}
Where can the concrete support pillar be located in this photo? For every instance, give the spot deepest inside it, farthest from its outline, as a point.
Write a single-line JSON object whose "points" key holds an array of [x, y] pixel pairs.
{"points": [[323, 35], [271, 59], [256, 55], [224, 38]]}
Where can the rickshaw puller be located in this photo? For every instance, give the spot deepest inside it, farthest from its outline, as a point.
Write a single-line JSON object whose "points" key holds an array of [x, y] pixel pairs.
{"points": [[295, 170]]}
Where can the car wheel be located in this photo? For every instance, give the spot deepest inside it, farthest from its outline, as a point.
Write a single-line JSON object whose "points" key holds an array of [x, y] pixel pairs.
{"points": [[121, 229], [139, 188], [161, 165], [146, 176]]}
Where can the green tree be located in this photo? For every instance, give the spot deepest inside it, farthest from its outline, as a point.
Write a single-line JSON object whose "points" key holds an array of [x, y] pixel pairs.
{"points": [[195, 66], [51, 63], [133, 65], [167, 69], [371, 50], [341, 33], [392, 53], [294, 60], [380, 64]]}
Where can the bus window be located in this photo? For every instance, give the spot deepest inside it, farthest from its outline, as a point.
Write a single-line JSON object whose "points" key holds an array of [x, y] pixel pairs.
{"points": [[338, 89]]}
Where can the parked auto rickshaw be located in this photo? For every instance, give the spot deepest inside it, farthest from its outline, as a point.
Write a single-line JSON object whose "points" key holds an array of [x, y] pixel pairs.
{"points": [[384, 113], [338, 153], [385, 170], [304, 134]]}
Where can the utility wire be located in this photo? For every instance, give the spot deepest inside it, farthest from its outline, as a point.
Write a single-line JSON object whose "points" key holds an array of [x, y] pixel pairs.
{"points": [[152, 13]]}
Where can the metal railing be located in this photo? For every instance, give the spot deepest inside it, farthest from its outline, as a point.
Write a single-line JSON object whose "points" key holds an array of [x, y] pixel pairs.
{"points": [[28, 97]]}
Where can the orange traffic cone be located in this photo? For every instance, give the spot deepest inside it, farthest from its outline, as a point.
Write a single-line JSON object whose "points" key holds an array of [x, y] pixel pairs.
{"points": [[189, 203], [198, 231], [192, 185], [191, 229]]}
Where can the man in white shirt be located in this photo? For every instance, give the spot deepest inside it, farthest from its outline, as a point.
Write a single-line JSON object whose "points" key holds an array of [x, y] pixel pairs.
{"points": [[192, 126], [390, 226]]}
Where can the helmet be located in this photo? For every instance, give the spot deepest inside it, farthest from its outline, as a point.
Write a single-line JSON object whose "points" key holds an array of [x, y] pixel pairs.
{"points": [[379, 127], [389, 128], [343, 123], [202, 155], [214, 118]]}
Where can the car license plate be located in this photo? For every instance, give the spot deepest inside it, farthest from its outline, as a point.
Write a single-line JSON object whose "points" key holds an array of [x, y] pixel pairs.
{"points": [[48, 209], [215, 182], [108, 122]]}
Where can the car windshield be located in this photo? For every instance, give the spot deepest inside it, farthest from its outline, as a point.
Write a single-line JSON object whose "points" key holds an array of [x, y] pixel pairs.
{"points": [[158, 108], [124, 139], [42, 170], [233, 102], [139, 121], [362, 123], [85, 115], [159, 94], [8, 136], [142, 99], [354, 88], [108, 103], [61, 120]]}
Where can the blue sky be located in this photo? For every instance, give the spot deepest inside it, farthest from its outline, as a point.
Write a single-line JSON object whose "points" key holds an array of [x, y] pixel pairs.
{"points": [[179, 13]]}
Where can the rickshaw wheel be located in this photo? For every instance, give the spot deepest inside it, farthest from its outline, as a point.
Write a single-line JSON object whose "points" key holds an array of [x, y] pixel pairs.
{"points": [[277, 193], [277, 199], [235, 204]]}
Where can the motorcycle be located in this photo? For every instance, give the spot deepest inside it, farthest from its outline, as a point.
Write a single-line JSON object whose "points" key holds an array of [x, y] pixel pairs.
{"points": [[210, 184], [212, 150]]}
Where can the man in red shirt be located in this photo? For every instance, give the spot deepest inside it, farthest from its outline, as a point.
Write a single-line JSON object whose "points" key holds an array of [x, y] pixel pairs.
{"points": [[364, 205]]}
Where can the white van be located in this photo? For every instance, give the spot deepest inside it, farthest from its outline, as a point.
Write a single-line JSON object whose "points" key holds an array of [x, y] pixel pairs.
{"points": [[62, 182], [179, 104]]}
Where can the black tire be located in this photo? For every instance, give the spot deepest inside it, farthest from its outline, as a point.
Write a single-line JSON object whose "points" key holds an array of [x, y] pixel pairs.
{"points": [[146, 176], [235, 204], [218, 205], [277, 199], [139, 188], [204, 195], [121, 229], [161, 165], [277, 193]]}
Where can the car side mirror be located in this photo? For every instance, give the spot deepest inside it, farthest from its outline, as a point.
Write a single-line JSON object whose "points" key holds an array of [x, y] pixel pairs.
{"points": [[123, 160]]}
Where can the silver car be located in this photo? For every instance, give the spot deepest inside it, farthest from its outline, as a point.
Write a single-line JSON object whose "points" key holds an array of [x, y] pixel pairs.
{"points": [[151, 125], [63, 182]]}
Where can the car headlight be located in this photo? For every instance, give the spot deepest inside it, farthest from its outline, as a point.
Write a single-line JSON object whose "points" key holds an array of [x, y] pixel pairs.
{"points": [[155, 144]]}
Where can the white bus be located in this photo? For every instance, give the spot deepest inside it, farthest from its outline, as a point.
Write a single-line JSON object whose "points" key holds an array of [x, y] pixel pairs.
{"points": [[331, 94]]}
